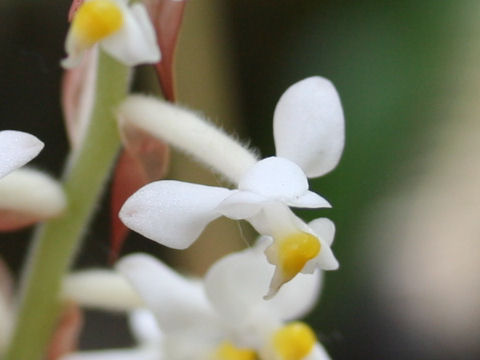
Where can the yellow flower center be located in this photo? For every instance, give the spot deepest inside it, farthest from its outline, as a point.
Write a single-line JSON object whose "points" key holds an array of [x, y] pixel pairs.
{"points": [[294, 341], [227, 351], [295, 250], [97, 19]]}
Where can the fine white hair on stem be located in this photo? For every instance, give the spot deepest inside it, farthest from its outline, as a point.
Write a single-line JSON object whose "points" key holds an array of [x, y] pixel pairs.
{"points": [[189, 132]]}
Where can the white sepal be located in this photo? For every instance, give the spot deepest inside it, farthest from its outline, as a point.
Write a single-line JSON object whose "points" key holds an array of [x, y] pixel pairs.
{"points": [[309, 126], [144, 326], [31, 193], [177, 302], [16, 149], [323, 228], [237, 283], [241, 205], [132, 44], [309, 200], [275, 178], [318, 353], [135, 42], [173, 213]]}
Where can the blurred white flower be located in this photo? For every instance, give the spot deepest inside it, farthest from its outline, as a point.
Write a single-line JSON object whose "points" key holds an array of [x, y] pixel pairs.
{"points": [[228, 316], [123, 31], [16, 149], [29, 196], [223, 317], [309, 138]]}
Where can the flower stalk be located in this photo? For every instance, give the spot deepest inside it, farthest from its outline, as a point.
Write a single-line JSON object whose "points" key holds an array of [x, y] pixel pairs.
{"points": [[56, 242]]}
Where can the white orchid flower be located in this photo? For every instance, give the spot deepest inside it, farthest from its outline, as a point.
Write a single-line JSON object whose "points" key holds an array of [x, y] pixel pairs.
{"points": [[228, 318], [309, 137], [123, 31], [223, 317], [16, 149]]}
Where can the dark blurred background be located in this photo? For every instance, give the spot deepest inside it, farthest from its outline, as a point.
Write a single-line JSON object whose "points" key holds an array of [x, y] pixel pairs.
{"points": [[405, 192]]}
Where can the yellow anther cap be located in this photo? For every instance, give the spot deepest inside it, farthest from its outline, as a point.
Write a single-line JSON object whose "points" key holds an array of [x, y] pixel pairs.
{"points": [[227, 351], [97, 19], [295, 250], [294, 341]]}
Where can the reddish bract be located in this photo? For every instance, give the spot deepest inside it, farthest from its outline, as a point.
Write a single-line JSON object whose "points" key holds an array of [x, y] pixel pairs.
{"points": [[166, 16], [73, 8], [67, 332], [144, 160], [147, 159]]}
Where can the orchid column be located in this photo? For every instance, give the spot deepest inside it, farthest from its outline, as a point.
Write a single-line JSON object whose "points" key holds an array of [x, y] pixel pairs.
{"points": [[128, 37]]}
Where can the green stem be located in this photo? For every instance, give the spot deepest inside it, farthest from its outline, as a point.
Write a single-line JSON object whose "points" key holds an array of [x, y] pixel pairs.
{"points": [[55, 242]]}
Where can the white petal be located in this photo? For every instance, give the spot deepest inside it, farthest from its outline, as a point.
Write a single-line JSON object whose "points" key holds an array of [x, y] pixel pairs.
{"points": [[75, 51], [275, 178], [101, 289], [173, 213], [178, 303], [135, 42], [298, 296], [16, 149], [310, 200], [236, 284], [33, 193], [144, 327], [323, 228], [318, 353], [146, 353], [325, 260], [241, 205], [276, 219], [309, 126]]}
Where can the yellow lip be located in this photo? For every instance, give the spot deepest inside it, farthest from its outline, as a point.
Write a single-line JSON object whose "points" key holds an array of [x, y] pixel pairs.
{"points": [[227, 351], [95, 20], [294, 341]]}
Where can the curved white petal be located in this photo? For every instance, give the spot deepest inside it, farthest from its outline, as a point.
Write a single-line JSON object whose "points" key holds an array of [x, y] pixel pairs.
{"points": [[178, 303], [275, 178], [135, 42], [276, 219], [318, 353], [241, 205], [309, 200], [309, 126], [75, 51], [16, 149], [144, 327], [325, 260], [236, 283], [141, 353], [324, 228], [173, 213], [298, 296]]}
